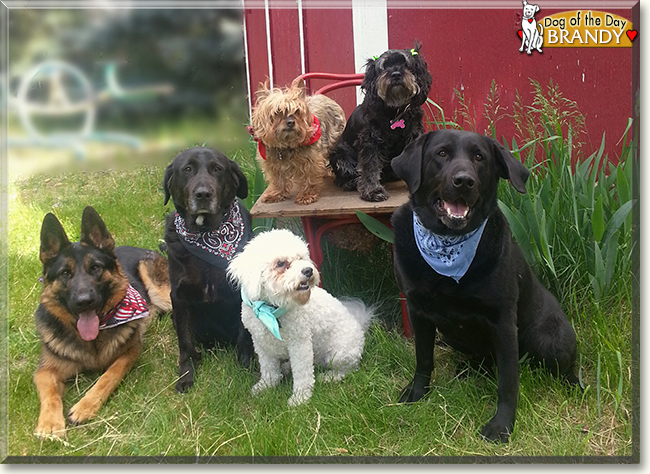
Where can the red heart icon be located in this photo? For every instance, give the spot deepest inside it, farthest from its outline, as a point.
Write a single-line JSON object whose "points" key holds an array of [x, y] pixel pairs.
{"points": [[521, 34], [631, 34], [530, 20]]}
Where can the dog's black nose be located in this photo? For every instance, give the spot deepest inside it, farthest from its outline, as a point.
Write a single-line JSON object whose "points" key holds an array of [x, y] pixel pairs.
{"points": [[203, 193], [463, 180], [84, 300], [308, 272], [290, 122], [396, 75]]}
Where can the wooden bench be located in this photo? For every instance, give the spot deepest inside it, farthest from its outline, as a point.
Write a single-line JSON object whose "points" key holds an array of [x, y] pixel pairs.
{"points": [[338, 208]]}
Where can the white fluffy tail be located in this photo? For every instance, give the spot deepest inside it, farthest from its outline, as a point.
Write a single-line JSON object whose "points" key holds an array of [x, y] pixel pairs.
{"points": [[359, 310]]}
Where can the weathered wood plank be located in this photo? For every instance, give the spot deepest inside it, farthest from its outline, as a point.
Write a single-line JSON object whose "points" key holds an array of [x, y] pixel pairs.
{"points": [[334, 202]]}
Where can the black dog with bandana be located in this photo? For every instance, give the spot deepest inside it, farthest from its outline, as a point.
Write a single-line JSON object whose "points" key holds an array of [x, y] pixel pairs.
{"points": [[464, 275], [396, 85], [208, 229]]}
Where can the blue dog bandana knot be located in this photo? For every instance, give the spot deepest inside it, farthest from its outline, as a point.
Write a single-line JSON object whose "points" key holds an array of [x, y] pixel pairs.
{"points": [[448, 255], [266, 313]]}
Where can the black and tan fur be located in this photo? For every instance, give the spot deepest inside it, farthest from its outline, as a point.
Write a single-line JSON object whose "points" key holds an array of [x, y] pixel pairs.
{"points": [[89, 275]]}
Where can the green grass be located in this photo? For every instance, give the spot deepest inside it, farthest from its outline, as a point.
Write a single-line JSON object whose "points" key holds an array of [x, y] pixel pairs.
{"points": [[357, 417]]}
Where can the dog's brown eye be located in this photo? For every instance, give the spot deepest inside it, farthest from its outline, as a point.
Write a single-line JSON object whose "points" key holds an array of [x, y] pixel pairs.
{"points": [[478, 157], [187, 169], [442, 153], [65, 274], [95, 268], [281, 264]]}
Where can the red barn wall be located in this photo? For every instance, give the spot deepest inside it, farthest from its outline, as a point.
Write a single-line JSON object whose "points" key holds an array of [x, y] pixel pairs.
{"points": [[465, 48]]}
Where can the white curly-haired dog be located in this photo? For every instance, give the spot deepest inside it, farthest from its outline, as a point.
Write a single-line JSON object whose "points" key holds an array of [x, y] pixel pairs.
{"points": [[279, 285]]}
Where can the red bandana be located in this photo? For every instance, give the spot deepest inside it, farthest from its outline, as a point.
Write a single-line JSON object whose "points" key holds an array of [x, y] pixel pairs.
{"points": [[313, 137], [133, 306]]}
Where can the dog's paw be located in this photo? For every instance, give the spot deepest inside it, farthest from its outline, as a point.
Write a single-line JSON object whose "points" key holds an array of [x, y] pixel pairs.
{"points": [[412, 393], [258, 388], [375, 195], [331, 376], [496, 432], [184, 384], [85, 409], [306, 198], [186, 380], [273, 195], [245, 359], [299, 398], [51, 426]]}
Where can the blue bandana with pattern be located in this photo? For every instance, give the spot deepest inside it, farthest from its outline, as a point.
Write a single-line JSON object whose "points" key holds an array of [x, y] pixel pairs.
{"points": [[448, 255]]}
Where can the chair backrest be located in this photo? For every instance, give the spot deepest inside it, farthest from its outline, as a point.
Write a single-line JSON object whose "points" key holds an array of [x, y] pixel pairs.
{"points": [[342, 80]]}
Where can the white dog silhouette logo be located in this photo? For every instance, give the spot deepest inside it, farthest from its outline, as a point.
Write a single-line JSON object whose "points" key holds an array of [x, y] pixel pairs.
{"points": [[531, 36]]}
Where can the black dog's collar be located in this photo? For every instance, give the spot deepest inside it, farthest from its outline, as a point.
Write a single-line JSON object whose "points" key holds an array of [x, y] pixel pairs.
{"points": [[218, 246], [398, 121]]}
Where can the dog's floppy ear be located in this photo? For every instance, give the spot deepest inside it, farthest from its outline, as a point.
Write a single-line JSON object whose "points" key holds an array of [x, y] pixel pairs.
{"points": [[240, 179], [369, 83], [241, 273], [408, 165], [94, 231], [509, 167], [422, 74], [53, 238], [168, 181]]}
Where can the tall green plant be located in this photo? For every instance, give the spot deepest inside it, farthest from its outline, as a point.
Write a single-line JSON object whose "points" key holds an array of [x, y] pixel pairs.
{"points": [[574, 224]]}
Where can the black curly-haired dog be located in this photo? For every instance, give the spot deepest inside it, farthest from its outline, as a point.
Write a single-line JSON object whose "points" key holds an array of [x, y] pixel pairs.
{"points": [[396, 84]]}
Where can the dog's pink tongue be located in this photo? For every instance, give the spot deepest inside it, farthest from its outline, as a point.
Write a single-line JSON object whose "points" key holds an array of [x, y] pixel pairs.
{"points": [[457, 208], [88, 325]]}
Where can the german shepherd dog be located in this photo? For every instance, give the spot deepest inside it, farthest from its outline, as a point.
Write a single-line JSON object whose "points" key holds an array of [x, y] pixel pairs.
{"points": [[96, 305]]}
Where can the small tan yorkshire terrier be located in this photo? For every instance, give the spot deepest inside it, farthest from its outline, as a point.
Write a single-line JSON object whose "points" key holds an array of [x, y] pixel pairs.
{"points": [[295, 133]]}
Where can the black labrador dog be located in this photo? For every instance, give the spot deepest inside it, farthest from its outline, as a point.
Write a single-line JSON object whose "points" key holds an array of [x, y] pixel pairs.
{"points": [[463, 274], [208, 228]]}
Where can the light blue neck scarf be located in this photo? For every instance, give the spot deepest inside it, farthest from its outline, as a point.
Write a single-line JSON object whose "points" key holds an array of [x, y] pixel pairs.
{"points": [[266, 313], [448, 255]]}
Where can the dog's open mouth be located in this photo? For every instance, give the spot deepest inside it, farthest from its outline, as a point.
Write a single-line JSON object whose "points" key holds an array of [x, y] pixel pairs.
{"points": [[453, 214], [304, 286], [454, 210], [457, 209]]}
